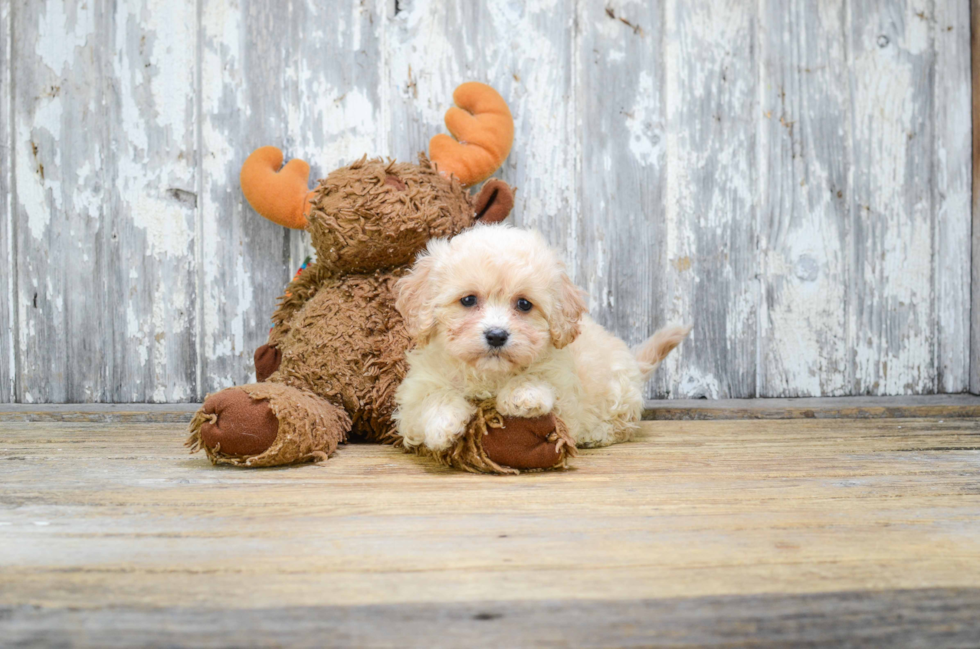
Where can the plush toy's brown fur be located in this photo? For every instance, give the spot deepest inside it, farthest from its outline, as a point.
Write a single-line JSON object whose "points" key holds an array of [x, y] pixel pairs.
{"points": [[340, 335], [336, 352]]}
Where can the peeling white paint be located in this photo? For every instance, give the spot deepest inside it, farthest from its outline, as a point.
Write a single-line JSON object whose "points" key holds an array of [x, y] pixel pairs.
{"points": [[58, 33], [803, 305], [8, 299], [137, 335], [711, 199], [951, 99], [48, 117], [693, 385], [228, 327], [918, 16], [893, 351], [769, 274], [166, 223], [645, 136], [31, 190], [144, 174]]}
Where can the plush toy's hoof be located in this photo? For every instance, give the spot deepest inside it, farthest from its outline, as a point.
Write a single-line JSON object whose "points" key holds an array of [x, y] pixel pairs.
{"points": [[237, 424], [524, 443], [267, 360], [507, 445], [266, 424]]}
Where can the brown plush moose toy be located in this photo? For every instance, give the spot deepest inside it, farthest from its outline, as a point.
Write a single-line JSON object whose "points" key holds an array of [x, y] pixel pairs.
{"points": [[336, 352]]}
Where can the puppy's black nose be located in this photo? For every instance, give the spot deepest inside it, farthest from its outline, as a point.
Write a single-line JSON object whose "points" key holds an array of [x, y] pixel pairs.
{"points": [[496, 337]]}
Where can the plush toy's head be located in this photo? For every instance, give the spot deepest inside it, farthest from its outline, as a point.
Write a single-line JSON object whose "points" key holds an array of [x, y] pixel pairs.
{"points": [[375, 214]]}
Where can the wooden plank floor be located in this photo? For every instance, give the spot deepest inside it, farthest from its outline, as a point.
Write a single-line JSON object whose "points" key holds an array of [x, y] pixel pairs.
{"points": [[859, 532]]}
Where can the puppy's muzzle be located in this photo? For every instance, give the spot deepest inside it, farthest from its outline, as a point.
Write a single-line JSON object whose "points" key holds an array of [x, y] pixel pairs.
{"points": [[496, 338]]}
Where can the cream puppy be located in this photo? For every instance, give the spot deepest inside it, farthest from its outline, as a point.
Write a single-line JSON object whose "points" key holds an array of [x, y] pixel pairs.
{"points": [[494, 315]]}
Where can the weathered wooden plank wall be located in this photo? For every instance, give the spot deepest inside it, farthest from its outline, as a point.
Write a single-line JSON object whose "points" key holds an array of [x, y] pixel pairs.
{"points": [[7, 291], [804, 216], [792, 177], [975, 271], [626, 170], [711, 208], [952, 193], [61, 221]]}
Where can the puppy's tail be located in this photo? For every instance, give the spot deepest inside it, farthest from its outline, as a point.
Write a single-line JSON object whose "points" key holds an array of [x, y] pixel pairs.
{"points": [[656, 348]]}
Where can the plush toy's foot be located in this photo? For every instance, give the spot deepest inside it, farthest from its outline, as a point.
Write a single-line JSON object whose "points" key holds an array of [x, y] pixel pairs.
{"points": [[531, 443], [267, 424], [235, 424], [508, 445]]}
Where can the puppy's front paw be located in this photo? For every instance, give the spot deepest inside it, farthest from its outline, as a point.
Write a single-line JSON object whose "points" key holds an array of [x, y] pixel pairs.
{"points": [[526, 400], [444, 426]]}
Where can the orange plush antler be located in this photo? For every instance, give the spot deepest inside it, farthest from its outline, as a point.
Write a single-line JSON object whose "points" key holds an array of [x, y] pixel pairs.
{"points": [[484, 128], [282, 196]]}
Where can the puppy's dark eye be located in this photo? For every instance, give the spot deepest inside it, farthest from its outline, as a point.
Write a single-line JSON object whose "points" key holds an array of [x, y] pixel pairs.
{"points": [[524, 305], [469, 300]]}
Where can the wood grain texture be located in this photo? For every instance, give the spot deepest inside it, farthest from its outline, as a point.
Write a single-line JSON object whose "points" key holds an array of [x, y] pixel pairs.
{"points": [[61, 194], [141, 413], [804, 187], [150, 181], [938, 406], [951, 190], [711, 200], [975, 204], [623, 173], [891, 75], [927, 617], [104, 156], [244, 258], [790, 177], [8, 360], [114, 521]]}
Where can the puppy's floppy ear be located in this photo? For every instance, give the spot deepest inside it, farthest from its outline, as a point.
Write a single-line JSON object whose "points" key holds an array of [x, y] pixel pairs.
{"points": [[568, 312], [414, 300]]}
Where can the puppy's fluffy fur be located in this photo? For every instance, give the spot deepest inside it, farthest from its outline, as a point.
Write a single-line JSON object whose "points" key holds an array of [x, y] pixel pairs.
{"points": [[555, 358]]}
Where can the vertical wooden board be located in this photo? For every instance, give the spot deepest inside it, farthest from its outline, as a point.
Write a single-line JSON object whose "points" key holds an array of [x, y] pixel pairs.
{"points": [[891, 311], [523, 49], [7, 281], [300, 76], [622, 232], [105, 171], [148, 228], [975, 205], [951, 193], [60, 151], [712, 112], [804, 214], [241, 256]]}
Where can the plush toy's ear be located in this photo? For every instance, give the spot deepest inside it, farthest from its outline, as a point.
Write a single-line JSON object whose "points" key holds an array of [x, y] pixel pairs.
{"points": [[282, 196], [483, 129], [494, 202], [414, 301], [567, 314]]}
